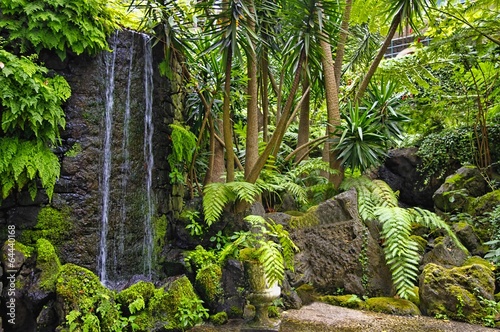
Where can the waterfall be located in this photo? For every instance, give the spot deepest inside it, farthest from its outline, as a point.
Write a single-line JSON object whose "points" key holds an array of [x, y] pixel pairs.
{"points": [[125, 170], [148, 154], [106, 173]]}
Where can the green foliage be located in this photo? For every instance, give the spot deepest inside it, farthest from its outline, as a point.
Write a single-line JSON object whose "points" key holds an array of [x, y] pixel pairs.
{"points": [[270, 244], [76, 25], [493, 254], [190, 313], [376, 201], [200, 258], [194, 227], [48, 263], [183, 149], [52, 224], [217, 195], [31, 100]]}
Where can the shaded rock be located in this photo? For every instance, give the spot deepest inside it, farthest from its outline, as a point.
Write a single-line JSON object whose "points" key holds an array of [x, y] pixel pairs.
{"points": [[453, 195], [445, 253], [233, 281], [400, 172], [337, 250], [469, 238], [486, 203], [456, 292]]}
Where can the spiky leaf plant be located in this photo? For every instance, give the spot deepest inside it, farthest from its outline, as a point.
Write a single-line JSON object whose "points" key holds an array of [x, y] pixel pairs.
{"points": [[377, 201]]}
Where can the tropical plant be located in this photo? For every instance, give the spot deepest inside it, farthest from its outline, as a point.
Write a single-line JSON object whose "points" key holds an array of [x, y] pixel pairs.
{"points": [[183, 149], [268, 243], [493, 254], [361, 144], [377, 201]]}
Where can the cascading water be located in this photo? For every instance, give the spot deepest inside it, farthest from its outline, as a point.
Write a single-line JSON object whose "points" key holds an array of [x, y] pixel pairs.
{"points": [[126, 185], [106, 174], [148, 154]]}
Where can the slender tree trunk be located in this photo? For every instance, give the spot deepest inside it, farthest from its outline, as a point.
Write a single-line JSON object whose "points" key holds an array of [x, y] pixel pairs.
{"points": [[265, 96], [380, 55], [344, 31], [226, 119], [252, 141], [279, 132], [215, 170], [332, 105], [303, 136]]}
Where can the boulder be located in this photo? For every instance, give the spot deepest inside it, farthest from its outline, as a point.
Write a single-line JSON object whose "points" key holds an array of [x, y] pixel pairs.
{"points": [[400, 172], [456, 191], [456, 292], [445, 253], [337, 252]]}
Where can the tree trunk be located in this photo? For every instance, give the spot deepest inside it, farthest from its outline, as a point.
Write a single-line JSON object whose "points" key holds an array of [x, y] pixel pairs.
{"points": [[380, 55], [332, 105], [252, 141], [226, 119], [303, 136], [344, 32], [279, 132]]}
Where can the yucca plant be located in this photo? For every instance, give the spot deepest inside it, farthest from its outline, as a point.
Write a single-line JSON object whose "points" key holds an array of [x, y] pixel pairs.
{"points": [[377, 201], [266, 242]]}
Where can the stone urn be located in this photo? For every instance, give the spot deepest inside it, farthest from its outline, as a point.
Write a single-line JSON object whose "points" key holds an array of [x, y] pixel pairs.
{"points": [[261, 293]]}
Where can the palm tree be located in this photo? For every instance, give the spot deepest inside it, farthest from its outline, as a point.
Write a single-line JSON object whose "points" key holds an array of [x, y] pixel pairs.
{"points": [[401, 11]]}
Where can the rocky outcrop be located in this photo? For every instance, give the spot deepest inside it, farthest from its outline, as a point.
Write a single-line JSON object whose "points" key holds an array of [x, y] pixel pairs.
{"points": [[337, 252], [457, 190], [400, 172], [456, 292]]}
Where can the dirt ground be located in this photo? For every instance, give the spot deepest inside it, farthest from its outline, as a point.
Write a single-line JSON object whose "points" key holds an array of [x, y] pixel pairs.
{"points": [[321, 317]]}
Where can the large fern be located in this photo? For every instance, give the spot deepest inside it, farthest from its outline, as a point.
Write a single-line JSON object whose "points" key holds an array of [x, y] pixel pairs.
{"points": [[217, 195], [377, 201]]}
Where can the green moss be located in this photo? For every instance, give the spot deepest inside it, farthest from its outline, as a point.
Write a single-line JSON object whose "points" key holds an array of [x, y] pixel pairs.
{"points": [[390, 305], [52, 224], [235, 312], [165, 304], [159, 236], [485, 203], [219, 318], [306, 293], [48, 263], [248, 254], [75, 150], [416, 297], [208, 282], [141, 289], [479, 260], [348, 301]]}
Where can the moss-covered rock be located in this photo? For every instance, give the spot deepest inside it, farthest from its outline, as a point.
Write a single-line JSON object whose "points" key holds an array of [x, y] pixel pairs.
{"points": [[48, 263], [486, 203], [14, 254], [219, 318], [84, 301], [52, 224], [456, 292], [174, 302], [393, 306], [131, 297], [306, 293], [208, 284], [479, 260], [348, 301]]}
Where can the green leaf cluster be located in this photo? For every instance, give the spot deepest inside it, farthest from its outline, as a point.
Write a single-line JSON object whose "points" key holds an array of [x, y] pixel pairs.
{"points": [[22, 161], [59, 25], [377, 201], [183, 149]]}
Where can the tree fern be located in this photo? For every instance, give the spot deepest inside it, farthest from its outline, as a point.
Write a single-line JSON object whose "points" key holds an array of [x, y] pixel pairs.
{"points": [[272, 261]]}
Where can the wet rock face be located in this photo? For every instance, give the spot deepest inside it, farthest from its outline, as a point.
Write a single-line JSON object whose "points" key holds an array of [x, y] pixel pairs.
{"points": [[79, 188], [339, 253]]}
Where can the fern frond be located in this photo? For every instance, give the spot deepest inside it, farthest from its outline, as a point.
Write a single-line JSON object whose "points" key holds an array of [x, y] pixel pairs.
{"points": [[215, 197], [401, 252], [244, 191], [384, 193], [297, 191], [306, 167], [272, 261], [433, 221]]}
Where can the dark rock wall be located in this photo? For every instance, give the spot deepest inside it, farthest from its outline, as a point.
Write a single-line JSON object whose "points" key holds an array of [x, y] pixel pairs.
{"points": [[80, 185]]}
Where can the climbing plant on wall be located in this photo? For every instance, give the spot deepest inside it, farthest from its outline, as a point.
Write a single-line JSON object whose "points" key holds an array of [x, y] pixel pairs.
{"points": [[31, 97]]}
